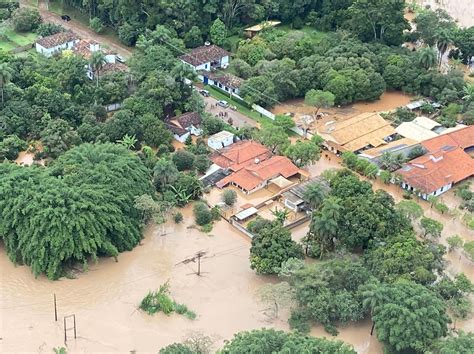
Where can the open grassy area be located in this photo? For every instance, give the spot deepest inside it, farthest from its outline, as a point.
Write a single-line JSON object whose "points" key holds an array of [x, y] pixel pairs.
{"points": [[20, 39], [306, 29]]}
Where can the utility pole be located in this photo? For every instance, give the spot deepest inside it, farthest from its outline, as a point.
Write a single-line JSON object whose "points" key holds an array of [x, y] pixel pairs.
{"points": [[55, 309], [193, 259]]}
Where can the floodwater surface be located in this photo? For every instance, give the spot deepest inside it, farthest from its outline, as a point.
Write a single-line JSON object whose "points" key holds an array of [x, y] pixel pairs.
{"points": [[461, 10]]}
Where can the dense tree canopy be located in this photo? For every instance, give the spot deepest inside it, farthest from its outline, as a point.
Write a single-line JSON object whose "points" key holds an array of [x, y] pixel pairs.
{"points": [[76, 210], [409, 316], [272, 341]]}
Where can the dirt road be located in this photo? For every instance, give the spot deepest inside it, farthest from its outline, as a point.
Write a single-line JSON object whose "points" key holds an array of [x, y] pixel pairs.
{"points": [[82, 30], [238, 119]]}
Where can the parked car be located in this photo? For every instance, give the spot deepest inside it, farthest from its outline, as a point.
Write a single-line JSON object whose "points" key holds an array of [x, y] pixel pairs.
{"points": [[66, 18], [223, 103], [205, 93]]}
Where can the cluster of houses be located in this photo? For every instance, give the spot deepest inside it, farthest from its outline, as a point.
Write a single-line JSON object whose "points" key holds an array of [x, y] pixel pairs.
{"points": [[447, 159], [68, 40]]}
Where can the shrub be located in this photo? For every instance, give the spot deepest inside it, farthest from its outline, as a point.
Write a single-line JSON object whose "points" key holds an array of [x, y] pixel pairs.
{"points": [[96, 25], [178, 218], [48, 29], [184, 160], [201, 163], [26, 19], [216, 213], [206, 228], [454, 242], [202, 214], [229, 197], [11, 146], [385, 176]]}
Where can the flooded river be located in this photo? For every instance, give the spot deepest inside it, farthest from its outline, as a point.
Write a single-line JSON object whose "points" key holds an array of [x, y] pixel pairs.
{"points": [[105, 299]]}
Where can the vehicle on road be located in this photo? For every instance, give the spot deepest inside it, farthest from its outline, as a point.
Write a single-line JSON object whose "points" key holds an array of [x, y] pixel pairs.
{"points": [[66, 18], [223, 103], [205, 93]]}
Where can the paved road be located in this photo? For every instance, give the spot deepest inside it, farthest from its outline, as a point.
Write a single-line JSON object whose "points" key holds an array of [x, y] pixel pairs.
{"points": [[238, 119], [82, 30]]}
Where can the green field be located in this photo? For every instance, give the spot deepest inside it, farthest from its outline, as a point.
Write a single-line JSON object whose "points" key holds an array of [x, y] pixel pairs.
{"points": [[20, 39]]}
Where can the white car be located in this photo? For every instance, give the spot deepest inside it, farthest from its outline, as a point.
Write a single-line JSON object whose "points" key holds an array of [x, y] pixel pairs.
{"points": [[223, 103]]}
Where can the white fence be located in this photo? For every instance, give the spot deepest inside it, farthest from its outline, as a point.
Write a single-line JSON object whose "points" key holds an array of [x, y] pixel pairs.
{"points": [[263, 111]]}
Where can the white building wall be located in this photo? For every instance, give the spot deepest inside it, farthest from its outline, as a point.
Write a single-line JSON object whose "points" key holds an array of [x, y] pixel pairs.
{"points": [[182, 138], [48, 52], [217, 144]]}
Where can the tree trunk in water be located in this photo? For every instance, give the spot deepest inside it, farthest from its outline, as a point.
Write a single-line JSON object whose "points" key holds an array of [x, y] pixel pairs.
{"points": [[372, 329]]}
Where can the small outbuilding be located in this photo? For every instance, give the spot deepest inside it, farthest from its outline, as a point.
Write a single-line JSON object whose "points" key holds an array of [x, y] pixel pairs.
{"points": [[220, 140]]}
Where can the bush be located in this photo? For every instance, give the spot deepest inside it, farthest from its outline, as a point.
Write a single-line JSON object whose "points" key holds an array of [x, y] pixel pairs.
{"points": [[385, 176], [26, 19], [48, 29], [96, 25], [178, 218], [216, 213], [229, 197], [201, 163], [202, 214], [11, 146], [184, 160]]}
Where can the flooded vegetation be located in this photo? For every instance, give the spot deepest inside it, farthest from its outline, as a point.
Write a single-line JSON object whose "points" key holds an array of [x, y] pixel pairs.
{"points": [[461, 10]]}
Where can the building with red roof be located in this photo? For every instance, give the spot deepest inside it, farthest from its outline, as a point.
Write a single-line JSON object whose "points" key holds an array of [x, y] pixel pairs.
{"points": [[446, 162], [253, 166]]}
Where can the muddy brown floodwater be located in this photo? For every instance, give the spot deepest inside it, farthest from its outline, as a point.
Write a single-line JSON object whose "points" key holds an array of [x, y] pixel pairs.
{"points": [[461, 10]]}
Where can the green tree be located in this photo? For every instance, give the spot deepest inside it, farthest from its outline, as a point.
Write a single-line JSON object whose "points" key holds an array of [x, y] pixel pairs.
{"points": [[193, 38], [184, 160], [329, 293], [443, 41], [6, 74], [323, 228], [319, 99], [11, 146], [411, 317], [303, 153], [468, 91], [202, 214], [154, 130], [454, 242], [271, 246], [427, 57], [218, 32], [431, 227], [128, 141], [229, 197], [461, 343], [274, 137], [372, 297], [96, 25], [410, 209], [278, 296], [285, 122], [86, 196], [57, 137], [315, 194], [97, 62], [26, 19], [273, 341]]}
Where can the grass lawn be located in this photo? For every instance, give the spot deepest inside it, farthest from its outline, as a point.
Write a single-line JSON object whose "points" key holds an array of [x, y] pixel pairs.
{"points": [[20, 39], [7, 45], [306, 29]]}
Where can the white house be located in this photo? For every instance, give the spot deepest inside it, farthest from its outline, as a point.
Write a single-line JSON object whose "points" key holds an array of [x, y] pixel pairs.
{"points": [[55, 43], [85, 49], [226, 82], [185, 125], [206, 58], [220, 140]]}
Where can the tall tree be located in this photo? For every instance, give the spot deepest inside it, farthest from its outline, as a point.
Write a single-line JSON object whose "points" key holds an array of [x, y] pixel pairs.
{"points": [[6, 73], [427, 57], [218, 32], [97, 62], [319, 99]]}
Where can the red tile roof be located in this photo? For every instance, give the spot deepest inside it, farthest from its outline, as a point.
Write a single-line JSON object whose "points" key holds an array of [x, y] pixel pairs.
{"points": [[255, 174], [445, 162], [240, 155], [57, 39], [204, 54]]}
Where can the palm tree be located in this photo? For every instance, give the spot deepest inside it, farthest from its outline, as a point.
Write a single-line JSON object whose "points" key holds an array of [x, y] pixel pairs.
{"points": [[372, 297], [468, 92], [314, 195], [128, 141], [6, 74], [164, 173], [97, 62], [427, 57], [324, 225], [444, 40]]}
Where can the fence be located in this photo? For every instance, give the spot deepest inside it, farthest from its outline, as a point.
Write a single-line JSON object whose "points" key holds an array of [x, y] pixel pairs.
{"points": [[263, 111], [241, 228]]}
